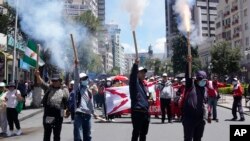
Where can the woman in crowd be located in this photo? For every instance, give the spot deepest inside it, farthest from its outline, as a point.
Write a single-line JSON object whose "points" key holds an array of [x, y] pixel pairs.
{"points": [[12, 97]]}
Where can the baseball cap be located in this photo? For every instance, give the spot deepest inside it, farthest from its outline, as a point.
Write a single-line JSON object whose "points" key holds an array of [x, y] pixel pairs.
{"points": [[164, 75], [56, 76], [2, 84], [201, 74], [142, 69], [83, 75]]}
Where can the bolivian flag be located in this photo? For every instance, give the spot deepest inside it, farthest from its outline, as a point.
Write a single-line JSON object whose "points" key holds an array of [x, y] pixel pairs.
{"points": [[30, 56]]}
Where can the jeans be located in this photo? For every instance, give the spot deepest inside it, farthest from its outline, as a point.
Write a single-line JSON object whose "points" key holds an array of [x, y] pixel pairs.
{"points": [[237, 104], [56, 126], [140, 123], [166, 103], [12, 117], [82, 123], [193, 129], [212, 102]]}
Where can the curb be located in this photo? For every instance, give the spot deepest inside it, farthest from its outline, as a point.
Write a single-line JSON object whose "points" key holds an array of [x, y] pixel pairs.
{"points": [[31, 115], [245, 113]]}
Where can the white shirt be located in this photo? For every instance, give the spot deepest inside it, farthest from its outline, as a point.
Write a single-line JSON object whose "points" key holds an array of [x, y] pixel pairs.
{"points": [[12, 98]]}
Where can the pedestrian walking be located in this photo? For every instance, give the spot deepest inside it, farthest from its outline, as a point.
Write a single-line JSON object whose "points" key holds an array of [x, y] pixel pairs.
{"points": [[166, 95], [3, 116], [194, 107], [237, 103], [12, 97], [139, 102], [54, 103], [84, 106], [213, 96]]}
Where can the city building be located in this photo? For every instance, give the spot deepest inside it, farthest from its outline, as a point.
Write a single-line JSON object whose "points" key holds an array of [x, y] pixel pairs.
{"points": [[171, 26], [101, 11], [77, 7], [232, 25], [205, 12], [113, 43]]}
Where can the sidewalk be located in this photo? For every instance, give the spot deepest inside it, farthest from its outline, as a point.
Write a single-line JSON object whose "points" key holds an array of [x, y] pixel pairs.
{"points": [[226, 101], [29, 112]]}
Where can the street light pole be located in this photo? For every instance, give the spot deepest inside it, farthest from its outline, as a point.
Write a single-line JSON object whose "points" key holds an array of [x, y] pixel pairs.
{"points": [[15, 43]]}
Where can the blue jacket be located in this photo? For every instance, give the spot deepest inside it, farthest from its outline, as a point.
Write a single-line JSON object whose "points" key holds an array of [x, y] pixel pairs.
{"points": [[138, 92]]}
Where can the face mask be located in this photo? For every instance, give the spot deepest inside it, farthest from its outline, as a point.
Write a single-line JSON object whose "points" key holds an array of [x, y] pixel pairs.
{"points": [[84, 83], [108, 83], [202, 83], [234, 82]]}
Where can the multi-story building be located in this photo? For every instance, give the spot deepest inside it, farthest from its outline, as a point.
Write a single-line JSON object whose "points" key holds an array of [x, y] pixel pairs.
{"points": [[204, 17], [113, 43], [77, 7], [205, 12], [171, 26], [101, 11], [232, 25]]}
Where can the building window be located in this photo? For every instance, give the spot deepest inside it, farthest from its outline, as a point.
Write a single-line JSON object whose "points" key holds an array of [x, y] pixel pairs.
{"points": [[218, 25], [247, 41], [245, 12], [246, 26]]}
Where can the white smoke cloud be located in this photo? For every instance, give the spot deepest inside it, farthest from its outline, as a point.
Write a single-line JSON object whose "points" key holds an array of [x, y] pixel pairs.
{"points": [[135, 8], [183, 9], [44, 20]]}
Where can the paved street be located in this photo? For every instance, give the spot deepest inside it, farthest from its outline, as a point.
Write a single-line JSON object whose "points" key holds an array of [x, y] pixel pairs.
{"points": [[121, 129]]}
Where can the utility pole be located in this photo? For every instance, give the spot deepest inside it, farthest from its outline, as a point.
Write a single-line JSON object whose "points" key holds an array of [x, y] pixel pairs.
{"points": [[15, 43]]}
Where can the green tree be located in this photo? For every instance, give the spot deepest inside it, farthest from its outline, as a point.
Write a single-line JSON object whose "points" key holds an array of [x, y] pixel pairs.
{"points": [[89, 21], [114, 71], [225, 59], [95, 64], [180, 50]]}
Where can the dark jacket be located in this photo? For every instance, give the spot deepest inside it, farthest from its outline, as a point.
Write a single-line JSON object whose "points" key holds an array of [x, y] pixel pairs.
{"points": [[138, 92], [197, 110]]}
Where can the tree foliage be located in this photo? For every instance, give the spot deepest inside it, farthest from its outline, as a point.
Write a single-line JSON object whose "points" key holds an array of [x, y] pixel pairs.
{"points": [[225, 59], [89, 21], [180, 50]]}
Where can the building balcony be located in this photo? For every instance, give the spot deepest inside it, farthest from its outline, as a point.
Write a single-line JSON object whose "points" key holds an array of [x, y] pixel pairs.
{"points": [[226, 13], [236, 35], [235, 22], [235, 8], [227, 26]]}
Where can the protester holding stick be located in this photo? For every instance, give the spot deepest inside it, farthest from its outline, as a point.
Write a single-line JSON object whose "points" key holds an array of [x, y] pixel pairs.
{"points": [[139, 102]]}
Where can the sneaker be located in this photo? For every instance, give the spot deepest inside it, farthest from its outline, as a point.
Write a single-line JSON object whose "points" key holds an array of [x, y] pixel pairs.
{"points": [[217, 120], [233, 119], [10, 133], [242, 119], [19, 132]]}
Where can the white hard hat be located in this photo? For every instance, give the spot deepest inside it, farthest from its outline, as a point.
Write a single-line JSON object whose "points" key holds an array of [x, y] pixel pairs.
{"points": [[164, 75], [82, 75], [142, 69], [72, 82], [183, 80], [2, 84]]}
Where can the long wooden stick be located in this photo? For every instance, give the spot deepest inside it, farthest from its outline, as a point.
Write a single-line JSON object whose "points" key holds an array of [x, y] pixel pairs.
{"points": [[38, 56], [189, 55], [136, 50], [74, 48]]}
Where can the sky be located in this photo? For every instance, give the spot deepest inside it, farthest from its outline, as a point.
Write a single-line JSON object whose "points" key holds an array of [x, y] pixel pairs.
{"points": [[151, 29]]}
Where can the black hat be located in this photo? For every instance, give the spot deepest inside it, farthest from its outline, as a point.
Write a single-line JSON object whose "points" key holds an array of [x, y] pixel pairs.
{"points": [[11, 84], [56, 76]]}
